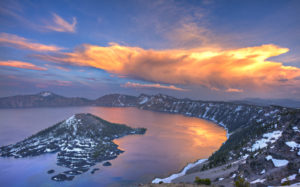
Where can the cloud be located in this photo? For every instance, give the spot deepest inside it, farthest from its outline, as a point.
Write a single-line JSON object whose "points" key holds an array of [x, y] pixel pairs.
{"points": [[22, 65], [23, 43], [234, 90], [242, 69], [138, 85], [58, 24]]}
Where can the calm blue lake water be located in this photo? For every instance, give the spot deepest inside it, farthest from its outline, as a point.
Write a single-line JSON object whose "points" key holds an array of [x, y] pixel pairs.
{"points": [[170, 142]]}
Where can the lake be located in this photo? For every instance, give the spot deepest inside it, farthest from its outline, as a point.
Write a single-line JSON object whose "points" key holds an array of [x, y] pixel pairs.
{"points": [[171, 142]]}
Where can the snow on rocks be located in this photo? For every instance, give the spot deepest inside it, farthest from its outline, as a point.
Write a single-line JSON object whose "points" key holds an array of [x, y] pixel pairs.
{"points": [[46, 94], [270, 137], [290, 178], [73, 121], [144, 100], [293, 145], [296, 129], [245, 156], [258, 181], [277, 162], [239, 108]]}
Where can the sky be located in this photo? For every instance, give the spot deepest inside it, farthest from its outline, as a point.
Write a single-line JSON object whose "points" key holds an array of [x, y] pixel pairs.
{"points": [[199, 49]]}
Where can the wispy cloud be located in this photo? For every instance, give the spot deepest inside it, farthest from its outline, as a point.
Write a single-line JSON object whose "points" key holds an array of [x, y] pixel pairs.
{"points": [[23, 43], [60, 25], [160, 86], [22, 65], [242, 68]]}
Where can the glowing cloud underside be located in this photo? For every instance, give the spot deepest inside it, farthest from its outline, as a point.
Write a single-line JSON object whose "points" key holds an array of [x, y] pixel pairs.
{"points": [[228, 70]]}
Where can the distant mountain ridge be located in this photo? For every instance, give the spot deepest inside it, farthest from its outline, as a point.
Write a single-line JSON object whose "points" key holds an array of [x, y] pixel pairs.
{"points": [[49, 99], [42, 99], [267, 102]]}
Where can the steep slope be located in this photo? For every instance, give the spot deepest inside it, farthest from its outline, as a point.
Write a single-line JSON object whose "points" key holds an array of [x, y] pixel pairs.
{"points": [[262, 154], [255, 132], [81, 141]]}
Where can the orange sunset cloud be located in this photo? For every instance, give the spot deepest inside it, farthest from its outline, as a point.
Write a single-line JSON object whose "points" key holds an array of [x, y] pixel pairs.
{"points": [[23, 43], [22, 65], [229, 70]]}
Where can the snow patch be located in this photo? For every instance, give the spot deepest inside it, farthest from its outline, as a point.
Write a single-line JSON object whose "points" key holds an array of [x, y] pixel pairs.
{"points": [[277, 162], [290, 178], [245, 156], [293, 145], [270, 137], [145, 99], [296, 129], [183, 172], [46, 94], [73, 121], [239, 108], [258, 181]]}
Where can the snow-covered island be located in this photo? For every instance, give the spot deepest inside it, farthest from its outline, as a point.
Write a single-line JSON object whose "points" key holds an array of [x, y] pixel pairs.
{"points": [[80, 141]]}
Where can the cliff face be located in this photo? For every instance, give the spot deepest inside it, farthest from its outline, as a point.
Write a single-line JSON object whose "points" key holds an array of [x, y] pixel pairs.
{"points": [[229, 115]]}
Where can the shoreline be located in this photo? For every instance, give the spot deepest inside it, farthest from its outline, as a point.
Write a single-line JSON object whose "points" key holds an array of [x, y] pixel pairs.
{"points": [[181, 173], [190, 165]]}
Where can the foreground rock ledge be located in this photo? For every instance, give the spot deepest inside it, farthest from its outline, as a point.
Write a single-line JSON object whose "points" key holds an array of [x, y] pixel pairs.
{"points": [[80, 141]]}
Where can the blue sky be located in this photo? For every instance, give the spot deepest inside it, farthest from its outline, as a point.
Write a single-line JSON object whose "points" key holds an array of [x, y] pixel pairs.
{"points": [[152, 33]]}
